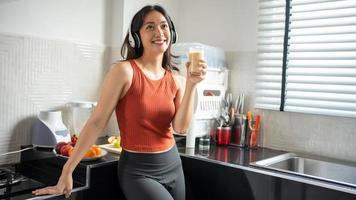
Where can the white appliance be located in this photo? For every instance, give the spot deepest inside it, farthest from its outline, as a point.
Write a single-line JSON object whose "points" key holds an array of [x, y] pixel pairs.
{"points": [[79, 113], [208, 99], [210, 92], [49, 129]]}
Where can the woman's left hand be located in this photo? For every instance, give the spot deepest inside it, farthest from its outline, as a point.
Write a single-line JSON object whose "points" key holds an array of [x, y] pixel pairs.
{"points": [[197, 76]]}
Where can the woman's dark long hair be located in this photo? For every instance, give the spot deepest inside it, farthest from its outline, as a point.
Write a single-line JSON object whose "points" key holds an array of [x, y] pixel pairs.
{"points": [[128, 52]]}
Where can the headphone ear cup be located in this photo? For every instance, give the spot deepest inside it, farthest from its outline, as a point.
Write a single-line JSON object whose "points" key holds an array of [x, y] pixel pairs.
{"points": [[173, 32], [173, 37], [136, 38], [131, 40]]}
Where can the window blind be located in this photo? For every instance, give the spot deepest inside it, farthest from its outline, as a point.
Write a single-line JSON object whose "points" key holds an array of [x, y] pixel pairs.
{"points": [[270, 54], [321, 67], [320, 58]]}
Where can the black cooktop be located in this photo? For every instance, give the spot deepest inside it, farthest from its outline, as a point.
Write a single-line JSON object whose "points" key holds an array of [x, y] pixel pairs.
{"points": [[13, 183]]}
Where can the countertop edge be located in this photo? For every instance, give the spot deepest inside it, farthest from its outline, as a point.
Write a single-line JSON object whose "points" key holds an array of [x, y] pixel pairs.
{"points": [[311, 181]]}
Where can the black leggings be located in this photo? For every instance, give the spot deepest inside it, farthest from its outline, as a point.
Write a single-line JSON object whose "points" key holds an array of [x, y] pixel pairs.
{"points": [[151, 176]]}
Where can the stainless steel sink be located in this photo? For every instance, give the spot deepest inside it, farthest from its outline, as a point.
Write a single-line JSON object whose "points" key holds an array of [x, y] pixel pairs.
{"points": [[324, 169]]}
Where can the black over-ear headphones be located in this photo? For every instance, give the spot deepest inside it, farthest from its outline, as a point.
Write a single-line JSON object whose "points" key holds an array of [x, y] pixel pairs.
{"points": [[134, 39]]}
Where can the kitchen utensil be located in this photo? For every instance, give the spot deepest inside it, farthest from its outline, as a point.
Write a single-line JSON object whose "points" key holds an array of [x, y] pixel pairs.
{"points": [[236, 104], [239, 103], [255, 132], [241, 106], [228, 100], [238, 132]]}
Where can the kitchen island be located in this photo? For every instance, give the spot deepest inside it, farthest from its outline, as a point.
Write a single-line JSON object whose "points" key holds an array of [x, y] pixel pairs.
{"points": [[223, 172]]}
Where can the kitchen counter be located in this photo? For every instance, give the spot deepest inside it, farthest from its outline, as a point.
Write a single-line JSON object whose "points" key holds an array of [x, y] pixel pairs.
{"points": [[44, 166], [230, 165], [221, 173], [242, 157]]}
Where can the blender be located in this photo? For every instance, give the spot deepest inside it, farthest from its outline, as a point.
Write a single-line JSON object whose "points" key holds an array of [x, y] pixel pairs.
{"points": [[79, 112], [49, 129]]}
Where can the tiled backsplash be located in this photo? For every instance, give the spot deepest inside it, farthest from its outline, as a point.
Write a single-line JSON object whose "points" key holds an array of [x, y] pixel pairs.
{"points": [[312, 134], [41, 74]]}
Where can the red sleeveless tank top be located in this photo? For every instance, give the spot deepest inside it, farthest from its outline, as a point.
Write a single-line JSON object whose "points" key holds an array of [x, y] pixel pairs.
{"points": [[145, 113]]}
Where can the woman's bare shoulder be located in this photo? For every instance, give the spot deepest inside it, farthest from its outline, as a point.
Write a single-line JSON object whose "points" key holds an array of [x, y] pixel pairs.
{"points": [[121, 66], [122, 69]]}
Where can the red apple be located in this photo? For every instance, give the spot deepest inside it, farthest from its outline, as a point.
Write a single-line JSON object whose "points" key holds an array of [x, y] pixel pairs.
{"points": [[65, 149], [58, 146]]}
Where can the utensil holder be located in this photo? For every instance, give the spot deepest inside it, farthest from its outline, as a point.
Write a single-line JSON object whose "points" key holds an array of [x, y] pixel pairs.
{"points": [[223, 135], [238, 132], [253, 136]]}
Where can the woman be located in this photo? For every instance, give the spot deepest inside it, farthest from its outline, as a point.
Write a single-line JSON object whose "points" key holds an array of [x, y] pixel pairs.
{"points": [[149, 100]]}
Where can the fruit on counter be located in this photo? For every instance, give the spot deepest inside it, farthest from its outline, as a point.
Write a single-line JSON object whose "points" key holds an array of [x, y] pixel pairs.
{"points": [[112, 138], [58, 146], [115, 141], [97, 149], [117, 144], [70, 151], [65, 149], [93, 151], [73, 139]]}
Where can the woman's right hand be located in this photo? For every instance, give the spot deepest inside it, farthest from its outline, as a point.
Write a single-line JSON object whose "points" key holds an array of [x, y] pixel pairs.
{"points": [[198, 76], [64, 186]]}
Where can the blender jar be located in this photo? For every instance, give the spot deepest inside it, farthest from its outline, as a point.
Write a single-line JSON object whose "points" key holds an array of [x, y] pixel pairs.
{"points": [[79, 113]]}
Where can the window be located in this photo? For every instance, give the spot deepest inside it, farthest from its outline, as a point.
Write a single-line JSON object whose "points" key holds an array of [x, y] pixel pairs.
{"points": [[307, 56]]}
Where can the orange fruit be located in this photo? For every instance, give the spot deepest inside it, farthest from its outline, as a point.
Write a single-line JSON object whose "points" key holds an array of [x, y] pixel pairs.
{"points": [[96, 149], [70, 151], [90, 153]]}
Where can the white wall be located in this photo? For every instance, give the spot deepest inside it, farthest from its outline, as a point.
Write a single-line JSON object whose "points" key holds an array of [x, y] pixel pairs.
{"points": [[228, 24], [69, 20], [52, 52]]}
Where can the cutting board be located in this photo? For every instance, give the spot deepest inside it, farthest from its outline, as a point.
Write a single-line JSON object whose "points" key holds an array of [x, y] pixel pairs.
{"points": [[111, 148]]}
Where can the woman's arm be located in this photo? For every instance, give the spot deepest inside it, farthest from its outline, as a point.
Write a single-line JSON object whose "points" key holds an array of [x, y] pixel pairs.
{"points": [[114, 87], [184, 100]]}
